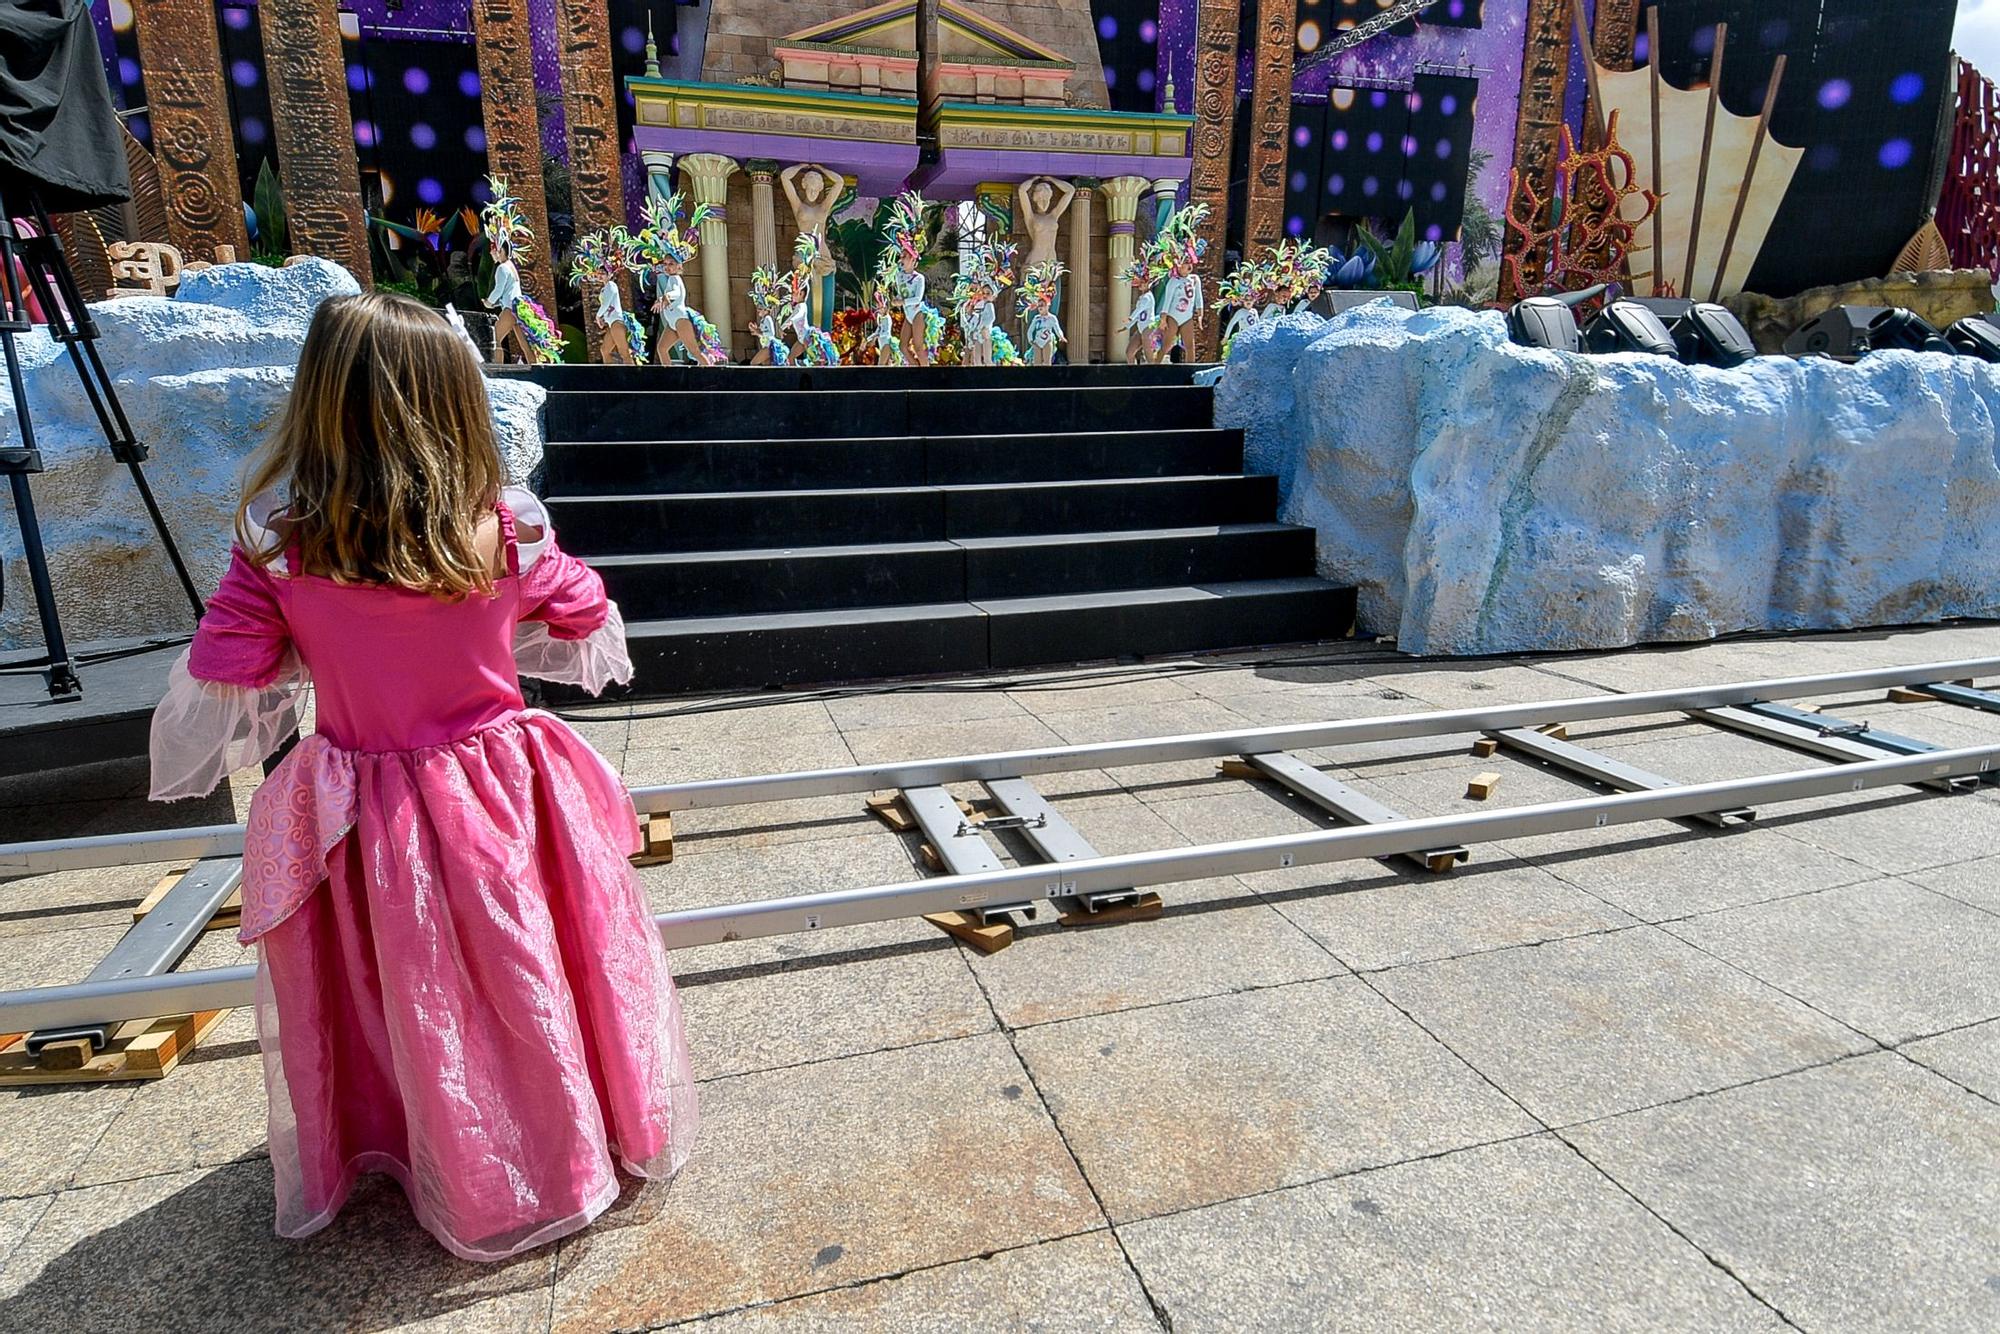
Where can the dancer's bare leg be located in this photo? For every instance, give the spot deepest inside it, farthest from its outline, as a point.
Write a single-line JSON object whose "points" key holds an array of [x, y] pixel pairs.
{"points": [[508, 325]]}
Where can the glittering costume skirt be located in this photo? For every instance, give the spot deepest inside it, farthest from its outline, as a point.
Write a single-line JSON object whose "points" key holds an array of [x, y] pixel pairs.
{"points": [[472, 997]]}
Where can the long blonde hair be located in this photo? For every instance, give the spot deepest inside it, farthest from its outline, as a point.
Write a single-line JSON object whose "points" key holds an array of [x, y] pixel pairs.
{"points": [[386, 451]]}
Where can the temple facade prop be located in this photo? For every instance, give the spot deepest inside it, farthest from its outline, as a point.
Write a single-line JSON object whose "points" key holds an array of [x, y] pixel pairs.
{"points": [[1270, 124], [1077, 316], [315, 132], [590, 116], [514, 130], [763, 213], [189, 110], [1215, 124]]}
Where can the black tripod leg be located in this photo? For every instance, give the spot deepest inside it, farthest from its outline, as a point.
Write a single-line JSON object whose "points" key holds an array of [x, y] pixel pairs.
{"points": [[61, 675], [69, 323]]}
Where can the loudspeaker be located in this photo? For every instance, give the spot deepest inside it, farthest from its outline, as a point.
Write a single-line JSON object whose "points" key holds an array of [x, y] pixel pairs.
{"points": [[1708, 335], [1544, 321], [1975, 336], [1627, 326], [1848, 333], [1335, 300]]}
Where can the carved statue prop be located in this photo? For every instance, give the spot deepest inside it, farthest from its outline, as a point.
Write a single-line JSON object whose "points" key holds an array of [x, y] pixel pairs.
{"points": [[1039, 203], [813, 192], [523, 326]]}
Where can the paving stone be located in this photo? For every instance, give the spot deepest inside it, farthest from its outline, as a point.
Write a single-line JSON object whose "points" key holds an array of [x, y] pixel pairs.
{"points": [[1857, 1196], [936, 741], [195, 1252], [1374, 916], [1158, 718], [1083, 694], [1660, 871], [1888, 958], [1895, 830], [1974, 882], [91, 897], [769, 716], [57, 958], [780, 1000], [1515, 1236], [1679, 667], [1079, 1285], [1969, 1055], [922, 708], [1480, 685], [1183, 1105], [833, 1174], [1236, 809], [1582, 1028], [765, 824], [694, 758], [1713, 755], [210, 1110]]}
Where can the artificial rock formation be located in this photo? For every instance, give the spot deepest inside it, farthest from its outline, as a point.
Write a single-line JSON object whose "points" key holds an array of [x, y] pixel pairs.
{"points": [[203, 377], [1490, 498]]}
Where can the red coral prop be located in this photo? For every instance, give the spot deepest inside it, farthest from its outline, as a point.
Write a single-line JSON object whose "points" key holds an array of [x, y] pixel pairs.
{"points": [[1588, 236]]}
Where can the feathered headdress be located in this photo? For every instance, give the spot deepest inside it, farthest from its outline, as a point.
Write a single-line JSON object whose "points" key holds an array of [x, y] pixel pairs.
{"points": [[904, 230], [1247, 285], [1038, 284], [1177, 248], [664, 236], [502, 219], [595, 260], [767, 293]]}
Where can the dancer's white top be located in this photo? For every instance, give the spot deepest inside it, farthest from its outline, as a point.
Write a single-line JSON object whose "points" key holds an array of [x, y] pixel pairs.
{"points": [[1144, 312], [610, 305], [910, 290], [1183, 300], [672, 302], [506, 286]]}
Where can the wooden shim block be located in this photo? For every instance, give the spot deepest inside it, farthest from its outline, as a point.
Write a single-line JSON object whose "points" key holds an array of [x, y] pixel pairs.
{"points": [[227, 918], [931, 858], [140, 1049], [69, 1054], [656, 835], [1440, 862], [966, 926], [1905, 695], [158, 892], [1485, 748], [1143, 909], [889, 809], [1555, 731], [1482, 785], [1239, 769]]}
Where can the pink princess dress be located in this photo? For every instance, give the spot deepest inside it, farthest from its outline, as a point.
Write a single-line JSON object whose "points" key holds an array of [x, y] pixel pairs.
{"points": [[459, 982]]}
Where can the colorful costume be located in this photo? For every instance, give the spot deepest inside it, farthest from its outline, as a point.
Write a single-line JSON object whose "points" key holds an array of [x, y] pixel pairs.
{"points": [[980, 280], [1175, 253], [904, 233], [1037, 306], [1143, 324], [816, 345], [888, 345], [597, 260], [507, 226], [459, 982], [662, 241], [767, 298]]}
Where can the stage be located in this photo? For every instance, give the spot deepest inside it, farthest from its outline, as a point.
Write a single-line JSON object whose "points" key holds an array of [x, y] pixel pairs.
{"points": [[123, 680]]}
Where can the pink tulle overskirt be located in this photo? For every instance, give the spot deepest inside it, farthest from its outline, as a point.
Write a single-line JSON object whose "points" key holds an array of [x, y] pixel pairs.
{"points": [[474, 999]]}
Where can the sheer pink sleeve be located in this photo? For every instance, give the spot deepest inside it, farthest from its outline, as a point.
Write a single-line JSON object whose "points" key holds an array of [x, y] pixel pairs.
{"points": [[569, 630], [233, 696]]}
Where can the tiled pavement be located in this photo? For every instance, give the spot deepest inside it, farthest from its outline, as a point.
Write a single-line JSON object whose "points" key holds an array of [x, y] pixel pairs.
{"points": [[1637, 1080]]}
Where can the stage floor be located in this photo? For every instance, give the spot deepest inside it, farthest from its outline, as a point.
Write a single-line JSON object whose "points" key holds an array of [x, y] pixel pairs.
{"points": [[112, 719]]}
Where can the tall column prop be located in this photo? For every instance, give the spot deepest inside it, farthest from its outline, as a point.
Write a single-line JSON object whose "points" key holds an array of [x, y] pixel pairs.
{"points": [[1538, 128], [316, 164], [590, 120], [710, 173], [1270, 124], [189, 111], [1121, 209], [763, 213], [1078, 319], [514, 129], [1214, 128]]}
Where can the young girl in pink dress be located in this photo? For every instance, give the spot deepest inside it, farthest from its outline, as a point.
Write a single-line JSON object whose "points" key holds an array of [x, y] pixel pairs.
{"points": [[459, 983]]}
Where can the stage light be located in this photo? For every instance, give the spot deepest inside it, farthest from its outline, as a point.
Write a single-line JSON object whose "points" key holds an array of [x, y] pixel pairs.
{"points": [[1709, 335], [1544, 321], [1627, 326], [1975, 336]]}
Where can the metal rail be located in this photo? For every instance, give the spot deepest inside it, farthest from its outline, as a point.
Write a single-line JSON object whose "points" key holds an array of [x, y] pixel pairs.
{"points": [[227, 840], [94, 1002]]}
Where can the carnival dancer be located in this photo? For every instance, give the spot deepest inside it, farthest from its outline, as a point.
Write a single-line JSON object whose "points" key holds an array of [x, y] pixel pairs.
{"points": [[664, 247], [975, 294], [813, 346], [923, 324], [459, 981], [1142, 326], [1312, 268], [1037, 302], [1248, 289], [522, 324], [1178, 252], [596, 262], [767, 298], [888, 343]]}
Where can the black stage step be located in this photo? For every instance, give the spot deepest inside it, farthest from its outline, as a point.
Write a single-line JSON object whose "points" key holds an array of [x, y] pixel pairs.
{"points": [[763, 414], [804, 527], [817, 647], [637, 467]]}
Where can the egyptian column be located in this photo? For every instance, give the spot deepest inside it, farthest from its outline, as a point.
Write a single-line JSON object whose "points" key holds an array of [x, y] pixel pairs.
{"points": [[1121, 210], [710, 173], [1076, 317]]}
